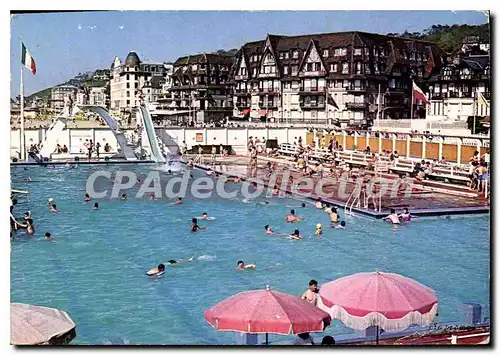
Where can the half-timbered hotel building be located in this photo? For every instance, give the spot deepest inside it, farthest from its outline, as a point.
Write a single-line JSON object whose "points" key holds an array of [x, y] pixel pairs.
{"points": [[333, 77]]}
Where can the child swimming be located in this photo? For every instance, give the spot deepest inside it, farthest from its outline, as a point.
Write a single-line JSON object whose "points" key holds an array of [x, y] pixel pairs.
{"points": [[295, 235], [319, 229], [268, 228], [341, 225]]}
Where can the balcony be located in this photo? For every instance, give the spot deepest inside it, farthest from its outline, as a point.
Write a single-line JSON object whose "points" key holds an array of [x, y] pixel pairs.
{"points": [[356, 89], [266, 91], [312, 105], [241, 92], [268, 75], [242, 105], [240, 77], [356, 105], [312, 73], [268, 105], [311, 90]]}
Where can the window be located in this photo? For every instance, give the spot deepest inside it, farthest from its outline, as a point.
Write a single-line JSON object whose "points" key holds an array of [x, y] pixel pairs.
{"points": [[282, 55], [254, 72], [345, 83], [128, 93], [295, 69], [136, 85], [340, 52], [285, 70], [287, 55], [325, 53], [128, 102], [375, 68], [128, 76], [392, 83], [295, 54], [358, 68], [309, 67], [367, 69], [194, 67], [345, 68], [128, 85], [358, 51]]}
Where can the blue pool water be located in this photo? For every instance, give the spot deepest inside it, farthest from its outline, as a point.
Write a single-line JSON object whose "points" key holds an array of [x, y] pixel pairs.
{"points": [[95, 268]]}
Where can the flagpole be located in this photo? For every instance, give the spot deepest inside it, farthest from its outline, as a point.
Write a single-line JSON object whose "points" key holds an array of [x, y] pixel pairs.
{"points": [[475, 109], [23, 145], [378, 106], [411, 113]]}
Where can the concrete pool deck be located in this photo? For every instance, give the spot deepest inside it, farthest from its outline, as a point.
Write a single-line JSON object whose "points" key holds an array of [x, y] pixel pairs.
{"points": [[425, 204]]}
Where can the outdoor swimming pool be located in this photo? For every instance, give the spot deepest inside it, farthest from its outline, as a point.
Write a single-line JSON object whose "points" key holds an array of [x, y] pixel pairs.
{"points": [[95, 269]]}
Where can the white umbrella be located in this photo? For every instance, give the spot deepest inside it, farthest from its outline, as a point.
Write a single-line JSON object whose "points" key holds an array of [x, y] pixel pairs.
{"points": [[35, 325]]}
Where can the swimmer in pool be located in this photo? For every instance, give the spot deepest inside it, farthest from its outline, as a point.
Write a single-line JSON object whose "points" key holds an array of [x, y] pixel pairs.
{"points": [[160, 268], [319, 230], [295, 235], [151, 197], [138, 181], [28, 179], [233, 179], [195, 226], [87, 198], [29, 226], [204, 215], [50, 201], [334, 216], [178, 201], [48, 236], [393, 217], [96, 206], [276, 191], [241, 266], [180, 261], [124, 197], [319, 204], [328, 208], [292, 218], [27, 215], [406, 216], [303, 205], [341, 225], [53, 208], [268, 228]]}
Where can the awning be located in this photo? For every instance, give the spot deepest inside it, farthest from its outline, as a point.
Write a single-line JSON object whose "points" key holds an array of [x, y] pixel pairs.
{"points": [[262, 112]]}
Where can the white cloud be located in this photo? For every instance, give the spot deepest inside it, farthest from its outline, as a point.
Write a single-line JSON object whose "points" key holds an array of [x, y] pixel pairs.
{"points": [[79, 27], [121, 27]]}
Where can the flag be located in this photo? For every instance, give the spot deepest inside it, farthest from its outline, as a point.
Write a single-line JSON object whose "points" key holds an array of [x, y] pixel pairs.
{"points": [[481, 100], [28, 60], [331, 101], [418, 94]]}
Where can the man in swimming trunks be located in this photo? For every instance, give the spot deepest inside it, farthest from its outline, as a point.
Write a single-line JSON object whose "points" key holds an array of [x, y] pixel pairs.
{"points": [[48, 236], [87, 198], [311, 294], [178, 201], [96, 206], [334, 216], [124, 197], [292, 218], [268, 228], [393, 217], [204, 215], [194, 226], [241, 266]]}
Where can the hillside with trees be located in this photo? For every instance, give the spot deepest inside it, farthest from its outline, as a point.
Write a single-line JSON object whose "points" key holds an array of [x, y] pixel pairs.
{"points": [[449, 38]]}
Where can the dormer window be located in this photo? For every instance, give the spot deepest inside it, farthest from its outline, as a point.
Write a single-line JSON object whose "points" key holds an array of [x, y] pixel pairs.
{"points": [[358, 51], [295, 54], [325, 53], [340, 52]]}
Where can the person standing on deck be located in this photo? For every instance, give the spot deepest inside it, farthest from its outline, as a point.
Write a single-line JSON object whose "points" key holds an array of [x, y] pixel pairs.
{"points": [[97, 147]]}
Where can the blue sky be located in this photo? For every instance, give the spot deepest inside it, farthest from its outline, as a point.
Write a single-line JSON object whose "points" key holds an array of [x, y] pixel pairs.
{"points": [[64, 44]]}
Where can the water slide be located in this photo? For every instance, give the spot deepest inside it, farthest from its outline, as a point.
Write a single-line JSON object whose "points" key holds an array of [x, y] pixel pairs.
{"points": [[156, 153], [125, 148], [52, 135]]}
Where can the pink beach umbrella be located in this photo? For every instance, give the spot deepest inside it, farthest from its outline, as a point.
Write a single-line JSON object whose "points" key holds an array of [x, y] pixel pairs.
{"points": [[266, 311], [389, 301]]}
